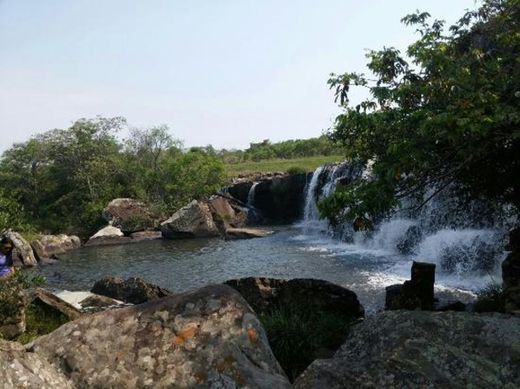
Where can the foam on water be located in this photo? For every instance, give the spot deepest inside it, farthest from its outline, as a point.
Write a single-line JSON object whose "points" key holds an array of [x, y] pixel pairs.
{"points": [[467, 258]]}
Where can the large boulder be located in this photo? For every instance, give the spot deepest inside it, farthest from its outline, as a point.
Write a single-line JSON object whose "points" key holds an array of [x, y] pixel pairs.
{"points": [[22, 369], [418, 349], [209, 338], [191, 221], [320, 295], [281, 199], [133, 290], [50, 246], [417, 293], [22, 249], [130, 215], [226, 213]]}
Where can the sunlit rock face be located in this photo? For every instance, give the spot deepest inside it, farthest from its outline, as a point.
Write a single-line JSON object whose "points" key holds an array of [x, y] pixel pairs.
{"points": [[207, 338]]}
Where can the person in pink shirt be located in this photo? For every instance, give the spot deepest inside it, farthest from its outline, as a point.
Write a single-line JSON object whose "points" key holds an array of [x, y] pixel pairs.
{"points": [[6, 257]]}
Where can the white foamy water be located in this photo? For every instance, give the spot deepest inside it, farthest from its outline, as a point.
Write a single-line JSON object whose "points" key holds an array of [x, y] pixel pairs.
{"points": [[467, 258]]}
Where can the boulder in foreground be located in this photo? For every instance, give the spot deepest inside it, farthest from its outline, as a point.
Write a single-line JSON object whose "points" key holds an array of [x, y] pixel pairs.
{"points": [[21, 369], [418, 349], [209, 338]]}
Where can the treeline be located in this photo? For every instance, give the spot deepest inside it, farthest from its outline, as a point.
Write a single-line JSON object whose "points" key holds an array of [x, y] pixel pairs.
{"points": [[321, 146], [61, 180]]}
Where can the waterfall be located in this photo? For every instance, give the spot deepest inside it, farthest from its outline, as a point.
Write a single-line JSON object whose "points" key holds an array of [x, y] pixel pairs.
{"points": [[251, 195], [465, 241]]}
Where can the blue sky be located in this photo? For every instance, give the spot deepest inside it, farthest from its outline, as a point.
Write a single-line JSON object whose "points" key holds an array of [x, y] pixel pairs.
{"points": [[221, 72]]}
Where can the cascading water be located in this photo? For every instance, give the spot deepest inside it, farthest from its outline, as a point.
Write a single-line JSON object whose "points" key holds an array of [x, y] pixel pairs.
{"points": [[251, 195], [466, 243]]}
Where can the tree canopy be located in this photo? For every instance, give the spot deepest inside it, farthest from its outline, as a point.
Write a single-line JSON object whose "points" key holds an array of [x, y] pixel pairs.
{"points": [[61, 180], [445, 112]]}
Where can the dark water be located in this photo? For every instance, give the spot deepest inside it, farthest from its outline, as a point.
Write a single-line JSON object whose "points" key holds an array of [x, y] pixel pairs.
{"points": [[182, 265]]}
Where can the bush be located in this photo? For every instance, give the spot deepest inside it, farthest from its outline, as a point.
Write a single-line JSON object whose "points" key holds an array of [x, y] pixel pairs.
{"points": [[296, 170]]}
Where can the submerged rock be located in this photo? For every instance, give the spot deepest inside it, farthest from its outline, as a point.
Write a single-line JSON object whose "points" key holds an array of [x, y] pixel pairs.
{"points": [[246, 233], [133, 290], [209, 338], [50, 246], [410, 240], [22, 369], [130, 215], [192, 221], [415, 349]]}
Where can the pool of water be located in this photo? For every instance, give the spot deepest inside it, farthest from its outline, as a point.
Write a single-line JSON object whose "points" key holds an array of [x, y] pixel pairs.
{"points": [[182, 265]]}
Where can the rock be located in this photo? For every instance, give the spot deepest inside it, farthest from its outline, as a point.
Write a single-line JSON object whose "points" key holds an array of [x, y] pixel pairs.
{"points": [[22, 249], [280, 199], [226, 214], [512, 300], [416, 293], [450, 305], [133, 290], [44, 297], [410, 240], [130, 215], [192, 221], [414, 349], [96, 303], [108, 235], [21, 369], [246, 233], [321, 295], [50, 246], [209, 338], [476, 255], [145, 235], [511, 265]]}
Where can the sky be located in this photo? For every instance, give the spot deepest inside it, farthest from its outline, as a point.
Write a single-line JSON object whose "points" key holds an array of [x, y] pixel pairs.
{"points": [[220, 72]]}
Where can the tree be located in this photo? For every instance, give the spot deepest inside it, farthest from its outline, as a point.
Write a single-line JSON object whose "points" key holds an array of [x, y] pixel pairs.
{"points": [[447, 113]]}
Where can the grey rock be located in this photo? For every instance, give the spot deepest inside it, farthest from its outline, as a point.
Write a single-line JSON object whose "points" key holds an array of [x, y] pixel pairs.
{"points": [[417, 293], [319, 295], [21, 369], [50, 246], [133, 290], [192, 221], [412, 349], [246, 233], [130, 215], [22, 249], [209, 338]]}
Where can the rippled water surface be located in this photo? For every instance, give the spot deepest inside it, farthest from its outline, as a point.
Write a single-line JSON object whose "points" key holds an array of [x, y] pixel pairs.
{"points": [[182, 265]]}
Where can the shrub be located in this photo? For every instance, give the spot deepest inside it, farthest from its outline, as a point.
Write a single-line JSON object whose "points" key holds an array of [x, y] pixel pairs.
{"points": [[298, 335]]}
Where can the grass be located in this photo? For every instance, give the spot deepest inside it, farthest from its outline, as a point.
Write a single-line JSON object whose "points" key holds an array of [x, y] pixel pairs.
{"points": [[307, 164], [40, 320], [298, 335]]}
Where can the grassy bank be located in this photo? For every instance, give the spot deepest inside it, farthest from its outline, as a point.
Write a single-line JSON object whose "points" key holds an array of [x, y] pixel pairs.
{"points": [[280, 165]]}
